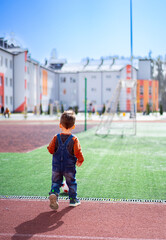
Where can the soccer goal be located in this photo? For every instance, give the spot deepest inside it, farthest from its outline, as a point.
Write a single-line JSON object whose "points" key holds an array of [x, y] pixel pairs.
{"points": [[119, 117]]}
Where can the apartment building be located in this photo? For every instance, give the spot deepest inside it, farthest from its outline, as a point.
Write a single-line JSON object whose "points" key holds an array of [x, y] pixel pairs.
{"points": [[24, 82], [147, 87], [49, 87], [6, 79], [102, 79]]}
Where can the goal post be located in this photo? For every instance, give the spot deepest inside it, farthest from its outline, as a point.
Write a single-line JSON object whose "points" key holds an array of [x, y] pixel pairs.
{"points": [[119, 117]]}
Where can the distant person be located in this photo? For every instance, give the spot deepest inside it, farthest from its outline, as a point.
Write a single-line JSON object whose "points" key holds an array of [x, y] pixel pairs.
{"points": [[103, 109], [7, 112], [67, 153], [2, 109]]}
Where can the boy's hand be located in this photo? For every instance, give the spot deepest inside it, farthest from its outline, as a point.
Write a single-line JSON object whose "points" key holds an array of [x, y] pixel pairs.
{"points": [[78, 164]]}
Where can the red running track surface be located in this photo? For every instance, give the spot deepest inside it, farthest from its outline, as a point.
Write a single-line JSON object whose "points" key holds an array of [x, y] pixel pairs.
{"points": [[32, 219], [21, 137]]}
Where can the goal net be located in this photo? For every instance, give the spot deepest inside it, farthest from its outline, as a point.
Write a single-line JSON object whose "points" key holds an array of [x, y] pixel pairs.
{"points": [[119, 117]]}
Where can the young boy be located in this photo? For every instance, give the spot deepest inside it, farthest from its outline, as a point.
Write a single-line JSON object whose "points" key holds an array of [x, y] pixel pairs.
{"points": [[67, 153]]}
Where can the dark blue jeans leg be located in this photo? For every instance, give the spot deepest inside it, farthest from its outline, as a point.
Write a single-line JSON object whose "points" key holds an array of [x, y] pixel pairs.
{"points": [[57, 179], [72, 184]]}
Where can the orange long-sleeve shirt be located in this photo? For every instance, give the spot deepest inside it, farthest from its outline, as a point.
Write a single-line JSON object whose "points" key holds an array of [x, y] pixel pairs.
{"points": [[73, 147]]}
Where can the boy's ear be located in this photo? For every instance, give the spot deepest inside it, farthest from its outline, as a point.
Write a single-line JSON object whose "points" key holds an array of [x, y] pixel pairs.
{"points": [[60, 125], [73, 127]]}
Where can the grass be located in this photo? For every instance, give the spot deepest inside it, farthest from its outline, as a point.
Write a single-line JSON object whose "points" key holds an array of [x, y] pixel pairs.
{"points": [[120, 168]]}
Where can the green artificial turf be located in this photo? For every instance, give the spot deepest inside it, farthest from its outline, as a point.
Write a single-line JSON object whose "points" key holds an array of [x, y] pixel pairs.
{"points": [[132, 167]]}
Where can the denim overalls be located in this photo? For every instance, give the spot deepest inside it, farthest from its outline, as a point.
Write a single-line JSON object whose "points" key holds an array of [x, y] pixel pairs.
{"points": [[63, 164]]}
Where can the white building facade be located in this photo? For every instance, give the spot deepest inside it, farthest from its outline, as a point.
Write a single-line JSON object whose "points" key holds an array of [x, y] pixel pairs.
{"points": [[102, 80], [6, 79], [25, 83]]}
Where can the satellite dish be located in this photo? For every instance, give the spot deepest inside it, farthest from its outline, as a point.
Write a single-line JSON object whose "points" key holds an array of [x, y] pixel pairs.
{"points": [[54, 53], [12, 40]]}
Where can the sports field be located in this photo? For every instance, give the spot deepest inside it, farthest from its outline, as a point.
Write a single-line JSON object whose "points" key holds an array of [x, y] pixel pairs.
{"points": [[129, 167]]}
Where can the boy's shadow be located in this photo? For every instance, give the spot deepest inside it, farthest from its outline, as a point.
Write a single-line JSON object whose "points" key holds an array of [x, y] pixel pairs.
{"points": [[44, 222]]}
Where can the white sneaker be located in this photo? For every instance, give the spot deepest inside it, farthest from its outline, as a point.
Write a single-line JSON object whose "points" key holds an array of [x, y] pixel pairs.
{"points": [[53, 202]]}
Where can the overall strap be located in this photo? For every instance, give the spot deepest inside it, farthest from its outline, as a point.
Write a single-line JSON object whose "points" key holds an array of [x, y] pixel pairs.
{"points": [[68, 140], [59, 139]]}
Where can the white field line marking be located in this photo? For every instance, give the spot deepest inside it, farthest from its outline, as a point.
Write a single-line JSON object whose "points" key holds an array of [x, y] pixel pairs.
{"points": [[71, 237]]}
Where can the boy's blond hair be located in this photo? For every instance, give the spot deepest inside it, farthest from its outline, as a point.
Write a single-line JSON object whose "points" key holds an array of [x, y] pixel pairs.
{"points": [[68, 119]]}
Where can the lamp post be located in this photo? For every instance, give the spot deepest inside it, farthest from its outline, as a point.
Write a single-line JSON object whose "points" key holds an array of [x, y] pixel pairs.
{"points": [[85, 126], [131, 58], [131, 33]]}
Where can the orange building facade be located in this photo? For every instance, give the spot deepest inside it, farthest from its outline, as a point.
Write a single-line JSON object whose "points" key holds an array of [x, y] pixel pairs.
{"points": [[147, 93], [45, 76]]}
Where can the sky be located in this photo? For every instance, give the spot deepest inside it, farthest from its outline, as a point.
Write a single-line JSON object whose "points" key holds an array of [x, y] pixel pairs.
{"points": [[78, 29]]}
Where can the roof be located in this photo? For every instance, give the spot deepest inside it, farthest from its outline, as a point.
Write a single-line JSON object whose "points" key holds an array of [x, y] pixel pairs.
{"points": [[94, 66], [33, 60], [13, 51], [16, 50], [5, 50], [72, 67]]}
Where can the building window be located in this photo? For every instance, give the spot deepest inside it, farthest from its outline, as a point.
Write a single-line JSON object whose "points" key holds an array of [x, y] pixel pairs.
{"points": [[141, 90], [0, 100], [11, 82], [93, 76], [11, 100], [6, 81], [150, 102], [7, 100], [11, 64], [63, 79], [150, 90], [141, 103], [74, 91], [1, 61], [108, 89], [117, 76], [93, 89], [6, 62], [72, 80], [108, 76]]}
